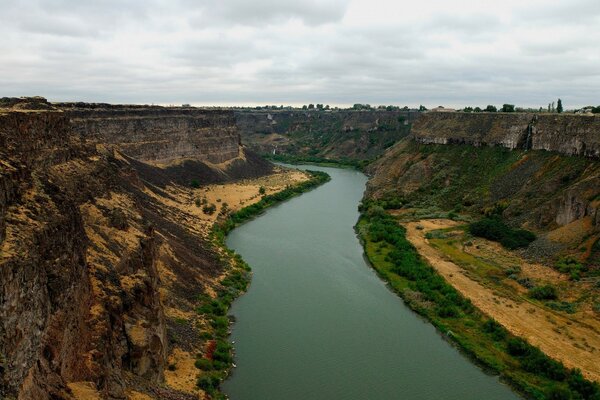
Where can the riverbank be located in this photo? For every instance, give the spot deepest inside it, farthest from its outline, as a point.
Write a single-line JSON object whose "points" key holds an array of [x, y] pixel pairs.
{"points": [[319, 161], [216, 359], [499, 282], [525, 367]]}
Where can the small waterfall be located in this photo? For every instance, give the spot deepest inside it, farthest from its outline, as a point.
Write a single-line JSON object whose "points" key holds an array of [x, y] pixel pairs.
{"points": [[528, 143]]}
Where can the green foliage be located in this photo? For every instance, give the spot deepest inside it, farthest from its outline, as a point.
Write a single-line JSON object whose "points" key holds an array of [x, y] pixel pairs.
{"points": [[559, 106], [407, 263], [195, 183], [491, 108], [564, 306], [496, 230], [525, 365], [262, 190], [209, 209], [204, 364], [569, 265], [495, 330], [508, 108], [249, 212], [317, 160], [558, 393], [546, 292]]}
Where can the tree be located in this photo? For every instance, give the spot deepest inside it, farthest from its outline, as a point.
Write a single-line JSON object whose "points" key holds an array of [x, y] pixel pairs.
{"points": [[559, 107], [491, 108], [477, 109], [468, 109], [311, 106], [305, 107], [596, 110], [508, 108], [319, 106], [422, 108]]}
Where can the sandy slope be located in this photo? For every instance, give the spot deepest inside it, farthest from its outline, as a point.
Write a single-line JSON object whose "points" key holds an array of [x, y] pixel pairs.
{"points": [[572, 340]]}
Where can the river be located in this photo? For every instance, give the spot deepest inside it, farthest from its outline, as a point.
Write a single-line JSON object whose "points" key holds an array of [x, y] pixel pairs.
{"points": [[318, 323]]}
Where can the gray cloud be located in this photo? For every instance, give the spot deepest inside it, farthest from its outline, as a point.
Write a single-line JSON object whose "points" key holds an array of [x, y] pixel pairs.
{"points": [[329, 51]]}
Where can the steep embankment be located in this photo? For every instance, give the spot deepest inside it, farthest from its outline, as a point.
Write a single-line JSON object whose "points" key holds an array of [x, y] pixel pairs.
{"points": [[185, 143], [481, 164], [567, 134], [103, 258], [339, 135], [465, 167]]}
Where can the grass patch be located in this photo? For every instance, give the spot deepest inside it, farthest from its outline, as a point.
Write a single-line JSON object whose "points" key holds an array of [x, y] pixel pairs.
{"points": [[528, 369], [496, 230]]}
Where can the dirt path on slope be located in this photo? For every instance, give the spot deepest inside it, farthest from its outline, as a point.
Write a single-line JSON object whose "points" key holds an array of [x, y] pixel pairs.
{"points": [[575, 343]]}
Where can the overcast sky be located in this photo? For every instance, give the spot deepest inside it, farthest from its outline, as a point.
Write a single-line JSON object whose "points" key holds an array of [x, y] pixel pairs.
{"points": [[339, 52]]}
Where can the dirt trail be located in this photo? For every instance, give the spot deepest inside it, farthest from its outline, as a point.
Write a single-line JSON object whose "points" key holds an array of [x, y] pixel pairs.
{"points": [[575, 343]]}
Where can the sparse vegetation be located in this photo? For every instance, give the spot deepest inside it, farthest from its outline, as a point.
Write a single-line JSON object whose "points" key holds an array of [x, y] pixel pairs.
{"points": [[546, 292], [118, 219], [209, 209], [523, 365]]}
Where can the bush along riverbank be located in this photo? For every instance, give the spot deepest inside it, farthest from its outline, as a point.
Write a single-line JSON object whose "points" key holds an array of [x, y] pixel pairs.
{"points": [[522, 365], [216, 359], [321, 161]]}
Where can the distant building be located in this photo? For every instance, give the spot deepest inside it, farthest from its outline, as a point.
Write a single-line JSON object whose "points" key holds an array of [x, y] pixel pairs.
{"points": [[442, 109]]}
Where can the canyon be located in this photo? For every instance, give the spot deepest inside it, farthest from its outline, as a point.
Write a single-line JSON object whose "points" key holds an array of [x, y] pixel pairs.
{"points": [[105, 252]]}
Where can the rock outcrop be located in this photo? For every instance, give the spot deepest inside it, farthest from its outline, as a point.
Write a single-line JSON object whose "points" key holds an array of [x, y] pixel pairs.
{"points": [[92, 251], [162, 135], [562, 133], [336, 134]]}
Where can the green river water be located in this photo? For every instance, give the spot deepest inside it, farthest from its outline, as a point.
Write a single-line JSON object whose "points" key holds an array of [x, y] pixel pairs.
{"points": [[317, 322]]}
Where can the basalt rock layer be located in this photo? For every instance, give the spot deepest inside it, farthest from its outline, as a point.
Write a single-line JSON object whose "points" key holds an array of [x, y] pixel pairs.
{"points": [[567, 134], [92, 252], [334, 134], [538, 171]]}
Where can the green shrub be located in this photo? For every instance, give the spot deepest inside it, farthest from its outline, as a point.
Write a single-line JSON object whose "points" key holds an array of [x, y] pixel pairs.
{"points": [[546, 292], [209, 209], [496, 230], [559, 393], [195, 183], [204, 364], [495, 330]]}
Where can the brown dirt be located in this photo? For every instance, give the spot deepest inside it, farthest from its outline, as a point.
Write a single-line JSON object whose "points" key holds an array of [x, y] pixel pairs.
{"points": [[84, 391], [184, 376], [182, 202], [574, 340]]}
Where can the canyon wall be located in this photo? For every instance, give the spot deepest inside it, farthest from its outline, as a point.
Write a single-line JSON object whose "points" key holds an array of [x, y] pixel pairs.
{"points": [[541, 172], [335, 134], [563, 133], [96, 247], [161, 135]]}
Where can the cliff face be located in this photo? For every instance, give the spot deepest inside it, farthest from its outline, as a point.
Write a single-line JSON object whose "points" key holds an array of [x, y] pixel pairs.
{"points": [[93, 250], [562, 133], [162, 135], [540, 172], [354, 135]]}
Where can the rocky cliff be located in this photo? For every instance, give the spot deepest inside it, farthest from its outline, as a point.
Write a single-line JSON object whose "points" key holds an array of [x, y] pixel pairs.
{"points": [[96, 247], [162, 135], [541, 172], [337, 134], [562, 133]]}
